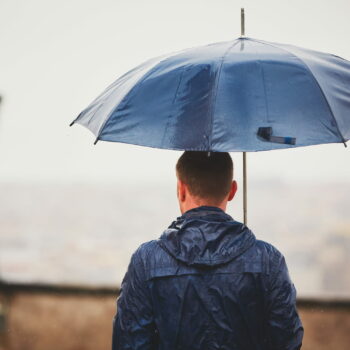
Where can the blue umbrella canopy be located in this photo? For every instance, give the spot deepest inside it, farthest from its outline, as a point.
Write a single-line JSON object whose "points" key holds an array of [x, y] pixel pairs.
{"points": [[240, 95]]}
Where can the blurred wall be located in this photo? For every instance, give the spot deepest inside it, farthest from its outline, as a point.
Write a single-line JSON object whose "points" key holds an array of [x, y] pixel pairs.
{"points": [[73, 318]]}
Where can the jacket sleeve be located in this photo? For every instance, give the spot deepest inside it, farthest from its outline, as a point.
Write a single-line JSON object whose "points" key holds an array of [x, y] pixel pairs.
{"points": [[133, 325], [284, 327]]}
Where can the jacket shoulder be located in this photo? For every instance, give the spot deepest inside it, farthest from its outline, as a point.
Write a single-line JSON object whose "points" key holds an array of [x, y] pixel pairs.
{"points": [[151, 255], [144, 251], [156, 261], [271, 255], [268, 247]]}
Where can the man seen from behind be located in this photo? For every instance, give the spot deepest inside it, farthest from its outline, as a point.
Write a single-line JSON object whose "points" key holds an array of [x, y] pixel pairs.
{"points": [[207, 282]]}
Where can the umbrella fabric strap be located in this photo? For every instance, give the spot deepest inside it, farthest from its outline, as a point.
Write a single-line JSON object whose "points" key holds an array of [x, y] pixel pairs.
{"points": [[265, 133]]}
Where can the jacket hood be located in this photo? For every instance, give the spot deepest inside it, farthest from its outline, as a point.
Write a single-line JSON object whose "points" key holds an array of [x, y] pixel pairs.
{"points": [[206, 236]]}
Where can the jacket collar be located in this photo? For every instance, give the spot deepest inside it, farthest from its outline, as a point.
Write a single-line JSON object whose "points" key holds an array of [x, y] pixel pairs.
{"points": [[205, 211]]}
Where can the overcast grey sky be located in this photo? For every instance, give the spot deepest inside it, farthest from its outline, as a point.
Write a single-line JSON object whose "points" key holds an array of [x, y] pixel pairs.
{"points": [[56, 56]]}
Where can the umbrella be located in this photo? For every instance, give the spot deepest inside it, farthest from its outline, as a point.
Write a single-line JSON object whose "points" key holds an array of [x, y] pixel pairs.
{"points": [[241, 95]]}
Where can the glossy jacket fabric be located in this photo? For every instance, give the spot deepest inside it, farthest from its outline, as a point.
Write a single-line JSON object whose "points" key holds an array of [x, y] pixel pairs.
{"points": [[240, 95], [207, 283]]}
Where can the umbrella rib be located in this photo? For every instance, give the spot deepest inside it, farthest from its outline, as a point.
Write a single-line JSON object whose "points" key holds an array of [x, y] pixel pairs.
{"points": [[309, 69], [213, 102], [261, 70], [137, 84], [173, 102]]}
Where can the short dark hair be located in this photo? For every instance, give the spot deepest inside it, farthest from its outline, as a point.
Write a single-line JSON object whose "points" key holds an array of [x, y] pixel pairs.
{"points": [[207, 175]]}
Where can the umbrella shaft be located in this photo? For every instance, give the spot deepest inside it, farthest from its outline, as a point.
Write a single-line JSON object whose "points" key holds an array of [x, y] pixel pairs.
{"points": [[244, 153], [245, 188]]}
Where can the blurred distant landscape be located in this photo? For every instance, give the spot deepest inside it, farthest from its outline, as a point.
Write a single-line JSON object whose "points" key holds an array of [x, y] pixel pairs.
{"points": [[85, 234]]}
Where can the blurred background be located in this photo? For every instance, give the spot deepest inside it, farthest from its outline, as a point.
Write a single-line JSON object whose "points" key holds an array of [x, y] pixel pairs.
{"points": [[72, 213]]}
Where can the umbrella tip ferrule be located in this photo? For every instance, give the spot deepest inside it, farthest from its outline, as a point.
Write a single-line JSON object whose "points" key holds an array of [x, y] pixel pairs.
{"points": [[72, 123], [95, 141], [242, 22]]}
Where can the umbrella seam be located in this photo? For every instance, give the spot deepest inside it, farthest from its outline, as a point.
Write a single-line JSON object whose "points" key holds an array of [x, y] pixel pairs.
{"points": [[82, 112], [313, 77], [173, 102], [260, 64], [267, 110], [135, 86], [214, 98]]}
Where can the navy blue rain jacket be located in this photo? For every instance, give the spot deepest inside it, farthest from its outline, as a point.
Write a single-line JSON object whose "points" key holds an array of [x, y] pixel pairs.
{"points": [[207, 283]]}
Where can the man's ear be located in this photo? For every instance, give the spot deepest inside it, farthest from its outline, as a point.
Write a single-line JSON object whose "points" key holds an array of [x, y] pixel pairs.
{"points": [[181, 191], [232, 191]]}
